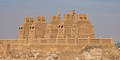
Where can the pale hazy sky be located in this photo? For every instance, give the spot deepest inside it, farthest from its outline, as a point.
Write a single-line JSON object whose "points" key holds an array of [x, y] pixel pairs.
{"points": [[103, 14]]}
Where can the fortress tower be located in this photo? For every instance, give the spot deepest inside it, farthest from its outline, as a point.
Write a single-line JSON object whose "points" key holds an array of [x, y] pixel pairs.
{"points": [[24, 29], [40, 25], [78, 25], [21, 32], [85, 28], [61, 31], [32, 32], [69, 20], [54, 22]]}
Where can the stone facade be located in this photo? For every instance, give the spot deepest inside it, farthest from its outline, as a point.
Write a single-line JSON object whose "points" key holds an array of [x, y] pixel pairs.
{"points": [[73, 32], [74, 25]]}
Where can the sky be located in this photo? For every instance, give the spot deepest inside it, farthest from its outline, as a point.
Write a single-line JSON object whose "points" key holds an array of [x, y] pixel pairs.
{"points": [[103, 14]]}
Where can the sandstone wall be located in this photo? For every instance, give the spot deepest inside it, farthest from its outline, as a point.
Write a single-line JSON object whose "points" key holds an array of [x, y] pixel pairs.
{"points": [[65, 43], [7, 44]]}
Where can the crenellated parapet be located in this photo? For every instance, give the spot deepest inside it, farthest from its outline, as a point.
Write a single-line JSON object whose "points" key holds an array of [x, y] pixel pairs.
{"points": [[74, 29], [74, 25], [41, 19]]}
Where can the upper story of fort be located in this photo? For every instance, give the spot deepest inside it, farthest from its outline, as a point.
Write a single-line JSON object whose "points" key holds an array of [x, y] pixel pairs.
{"points": [[72, 26]]}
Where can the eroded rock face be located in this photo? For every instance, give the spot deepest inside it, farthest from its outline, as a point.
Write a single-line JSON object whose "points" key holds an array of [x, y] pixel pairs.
{"points": [[51, 56], [93, 54], [90, 53], [111, 54], [97, 53]]}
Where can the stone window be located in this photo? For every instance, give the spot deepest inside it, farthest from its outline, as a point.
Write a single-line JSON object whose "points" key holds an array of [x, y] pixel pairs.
{"points": [[27, 20], [61, 26], [43, 19], [32, 21], [32, 27], [80, 17], [74, 13], [21, 27], [85, 17], [39, 19]]}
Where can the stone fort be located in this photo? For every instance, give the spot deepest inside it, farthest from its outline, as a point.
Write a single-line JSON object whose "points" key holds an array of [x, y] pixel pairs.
{"points": [[73, 32]]}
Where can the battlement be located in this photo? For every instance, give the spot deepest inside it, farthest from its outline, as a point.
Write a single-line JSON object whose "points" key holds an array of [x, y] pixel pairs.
{"points": [[72, 12], [75, 17], [28, 20], [74, 25], [21, 27], [41, 19], [55, 18], [82, 17], [69, 16]]}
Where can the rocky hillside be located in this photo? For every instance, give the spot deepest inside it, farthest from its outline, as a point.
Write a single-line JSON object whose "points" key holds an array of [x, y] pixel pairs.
{"points": [[88, 53]]}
